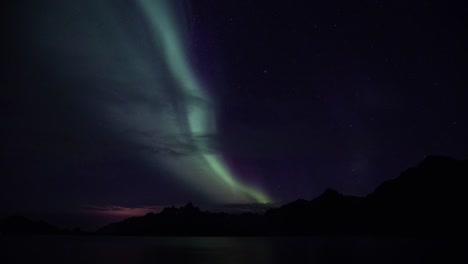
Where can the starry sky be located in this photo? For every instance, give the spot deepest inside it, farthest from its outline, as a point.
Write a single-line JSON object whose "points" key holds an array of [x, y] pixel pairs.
{"points": [[132, 105]]}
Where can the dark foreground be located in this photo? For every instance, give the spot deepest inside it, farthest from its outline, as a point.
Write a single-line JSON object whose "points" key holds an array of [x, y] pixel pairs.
{"points": [[258, 250]]}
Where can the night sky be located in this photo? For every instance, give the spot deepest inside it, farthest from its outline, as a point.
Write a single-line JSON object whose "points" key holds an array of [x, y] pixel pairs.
{"points": [[113, 105]]}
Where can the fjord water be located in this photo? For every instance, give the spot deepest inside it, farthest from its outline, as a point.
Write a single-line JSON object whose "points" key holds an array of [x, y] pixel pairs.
{"points": [[258, 250]]}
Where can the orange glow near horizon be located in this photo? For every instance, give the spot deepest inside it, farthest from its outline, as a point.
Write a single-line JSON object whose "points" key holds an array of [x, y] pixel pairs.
{"points": [[121, 212]]}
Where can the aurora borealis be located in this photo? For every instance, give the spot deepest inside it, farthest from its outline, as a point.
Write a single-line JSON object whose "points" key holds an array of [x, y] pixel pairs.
{"points": [[194, 114], [148, 103], [167, 110]]}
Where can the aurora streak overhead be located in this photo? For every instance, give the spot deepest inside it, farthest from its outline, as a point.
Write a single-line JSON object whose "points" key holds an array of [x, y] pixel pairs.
{"points": [[195, 116], [132, 72]]}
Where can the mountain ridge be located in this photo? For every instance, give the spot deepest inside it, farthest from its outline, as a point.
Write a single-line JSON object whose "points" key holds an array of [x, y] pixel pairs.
{"points": [[426, 199], [423, 200]]}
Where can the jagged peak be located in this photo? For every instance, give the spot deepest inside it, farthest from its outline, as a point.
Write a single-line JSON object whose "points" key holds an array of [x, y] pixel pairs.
{"points": [[329, 195], [189, 205], [331, 192], [190, 208]]}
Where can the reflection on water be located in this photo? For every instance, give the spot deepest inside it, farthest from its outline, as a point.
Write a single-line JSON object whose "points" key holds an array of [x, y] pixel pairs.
{"points": [[258, 250]]}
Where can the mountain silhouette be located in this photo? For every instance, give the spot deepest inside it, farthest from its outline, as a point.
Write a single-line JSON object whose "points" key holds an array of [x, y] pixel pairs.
{"points": [[425, 200], [428, 198]]}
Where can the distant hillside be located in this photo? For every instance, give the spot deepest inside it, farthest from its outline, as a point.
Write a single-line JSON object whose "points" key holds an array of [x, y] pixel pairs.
{"points": [[426, 200]]}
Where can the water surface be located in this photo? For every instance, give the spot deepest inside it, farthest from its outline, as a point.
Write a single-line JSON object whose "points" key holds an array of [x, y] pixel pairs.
{"points": [[235, 250]]}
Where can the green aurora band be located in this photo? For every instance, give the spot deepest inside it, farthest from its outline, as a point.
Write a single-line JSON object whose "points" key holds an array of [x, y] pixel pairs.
{"points": [[130, 69], [199, 116]]}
